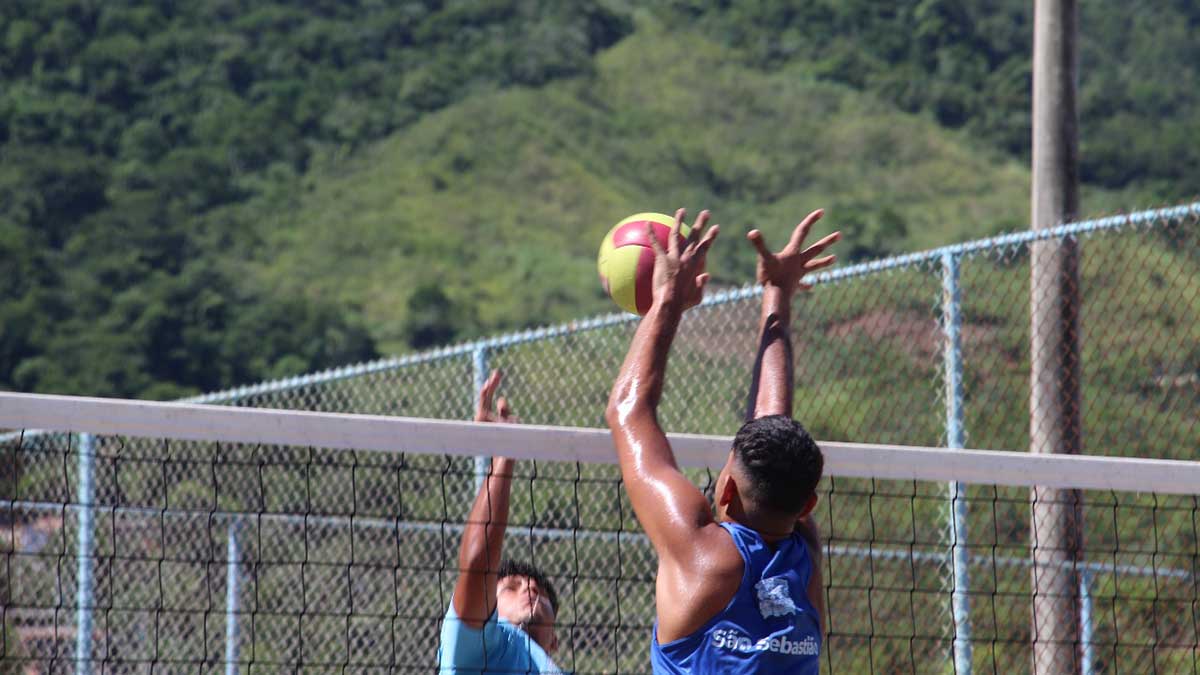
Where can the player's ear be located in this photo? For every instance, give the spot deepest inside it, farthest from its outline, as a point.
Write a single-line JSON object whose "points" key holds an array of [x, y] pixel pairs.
{"points": [[809, 506], [728, 492], [553, 643]]}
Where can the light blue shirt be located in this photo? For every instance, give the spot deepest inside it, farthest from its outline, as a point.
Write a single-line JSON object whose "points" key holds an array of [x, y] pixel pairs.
{"points": [[498, 647]]}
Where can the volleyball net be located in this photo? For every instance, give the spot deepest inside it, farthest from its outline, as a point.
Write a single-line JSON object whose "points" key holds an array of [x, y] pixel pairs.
{"points": [[137, 535]]}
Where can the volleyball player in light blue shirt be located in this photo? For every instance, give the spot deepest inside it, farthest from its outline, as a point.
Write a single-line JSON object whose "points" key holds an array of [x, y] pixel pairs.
{"points": [[740, 592], [501, 618]]}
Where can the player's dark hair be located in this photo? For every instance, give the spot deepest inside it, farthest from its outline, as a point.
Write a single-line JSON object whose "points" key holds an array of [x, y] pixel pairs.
{"points": [[781, 460], [517, 568]]}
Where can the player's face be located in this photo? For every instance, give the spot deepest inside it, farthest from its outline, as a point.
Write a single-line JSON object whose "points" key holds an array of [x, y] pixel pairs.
{"points": [[521, 602]]}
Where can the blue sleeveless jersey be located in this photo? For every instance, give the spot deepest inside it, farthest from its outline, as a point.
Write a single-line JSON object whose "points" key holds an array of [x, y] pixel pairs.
{"points": [[770, 626]]}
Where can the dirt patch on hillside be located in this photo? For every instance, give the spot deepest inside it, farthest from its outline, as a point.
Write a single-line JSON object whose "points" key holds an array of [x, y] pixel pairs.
{"points": [[729, 333], [917, 335]]}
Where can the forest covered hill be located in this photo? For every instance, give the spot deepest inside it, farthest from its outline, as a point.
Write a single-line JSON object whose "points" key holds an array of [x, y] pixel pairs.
{"points": [[196, 195]]}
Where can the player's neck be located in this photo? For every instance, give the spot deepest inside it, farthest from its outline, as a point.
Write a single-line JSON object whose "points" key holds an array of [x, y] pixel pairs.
{"points": [[771, 529]]}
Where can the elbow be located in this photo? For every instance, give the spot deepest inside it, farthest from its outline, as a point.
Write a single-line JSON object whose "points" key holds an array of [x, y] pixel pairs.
{"points": [[617, 401], [612, 414], [473, 556], [622, 410], [626, 402], [626, 414], [471, 561]]}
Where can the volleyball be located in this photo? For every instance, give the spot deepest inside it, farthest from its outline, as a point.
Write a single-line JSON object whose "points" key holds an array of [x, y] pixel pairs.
{"points": [[626, 260]]}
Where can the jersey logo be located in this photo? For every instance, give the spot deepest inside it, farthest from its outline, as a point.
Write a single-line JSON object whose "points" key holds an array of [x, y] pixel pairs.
{"points": [[774, 598]]}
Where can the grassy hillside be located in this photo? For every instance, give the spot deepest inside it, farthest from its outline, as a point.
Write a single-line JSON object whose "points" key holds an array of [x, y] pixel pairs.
{"points": [[361, 154], [968, 64], [132, 133], [502, 199]]}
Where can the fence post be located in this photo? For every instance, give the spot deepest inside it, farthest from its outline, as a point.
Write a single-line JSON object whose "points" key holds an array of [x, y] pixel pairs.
{"points": [[1055, 395], [955, 438], [480, 366], [85, 554], [1087, 630], [231, 601]]}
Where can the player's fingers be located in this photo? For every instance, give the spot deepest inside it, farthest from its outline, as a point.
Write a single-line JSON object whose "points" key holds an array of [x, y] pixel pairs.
{"points": [[702, 281], [822, 244], [760, 244], [698, 226], [803, 228], [675, 237], [820, 263], [484, 409], [655, 244], [707, 241], [489, 388], [503, 409]]}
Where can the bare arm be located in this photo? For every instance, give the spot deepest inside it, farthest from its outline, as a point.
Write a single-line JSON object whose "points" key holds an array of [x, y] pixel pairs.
{"points": [[807, 528], [483, 535], [669, 506], [772, 382], [781, 275]]}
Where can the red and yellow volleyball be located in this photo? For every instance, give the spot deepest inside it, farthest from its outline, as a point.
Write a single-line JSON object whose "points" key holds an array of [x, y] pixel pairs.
{"points": [[626, 260]]}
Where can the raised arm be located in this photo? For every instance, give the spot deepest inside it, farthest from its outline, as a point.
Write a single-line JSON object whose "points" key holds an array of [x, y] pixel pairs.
{"points": [[781, 275], [670, 508], [483, 535], [771, 385]]}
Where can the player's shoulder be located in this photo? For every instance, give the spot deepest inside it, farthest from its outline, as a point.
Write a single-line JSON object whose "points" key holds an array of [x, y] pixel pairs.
{"points": [[710, 553], [693, 591], [720, 556]]}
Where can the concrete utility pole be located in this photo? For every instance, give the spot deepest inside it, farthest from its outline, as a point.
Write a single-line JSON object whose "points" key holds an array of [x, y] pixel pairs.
{"points": [[1055, 401]]}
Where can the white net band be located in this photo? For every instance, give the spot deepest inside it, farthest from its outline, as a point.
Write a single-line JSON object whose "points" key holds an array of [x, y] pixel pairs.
{"points": [[186, 421]]}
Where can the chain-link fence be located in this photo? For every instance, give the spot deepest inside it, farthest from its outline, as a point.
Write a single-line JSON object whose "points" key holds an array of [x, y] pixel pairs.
{"points": [[874, 351], [924, 349]]}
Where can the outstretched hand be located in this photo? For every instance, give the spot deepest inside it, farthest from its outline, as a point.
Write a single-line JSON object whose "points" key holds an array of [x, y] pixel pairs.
{"points": [[679, 275], [484, 411], [786, 269]]}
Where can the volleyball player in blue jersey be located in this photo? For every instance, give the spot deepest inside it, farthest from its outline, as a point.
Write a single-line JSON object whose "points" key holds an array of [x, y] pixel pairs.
{"points": [[741, 592]]}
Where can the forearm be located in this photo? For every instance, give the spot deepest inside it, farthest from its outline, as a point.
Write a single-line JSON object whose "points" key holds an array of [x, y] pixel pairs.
{"points": [[639, 384], [772, 380], [483, 539], [483, 534]]}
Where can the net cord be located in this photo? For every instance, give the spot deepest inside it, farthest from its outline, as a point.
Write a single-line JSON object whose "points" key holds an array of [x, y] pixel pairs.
{"points": [[196, 422]]}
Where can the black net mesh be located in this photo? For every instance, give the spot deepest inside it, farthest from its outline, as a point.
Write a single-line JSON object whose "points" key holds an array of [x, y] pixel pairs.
{"points": [[286, 558]]}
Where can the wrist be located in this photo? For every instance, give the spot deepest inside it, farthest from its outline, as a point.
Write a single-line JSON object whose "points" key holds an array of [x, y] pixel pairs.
{"points": [[502, 467], [777, 301], [666, 307], [777, 292]]}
